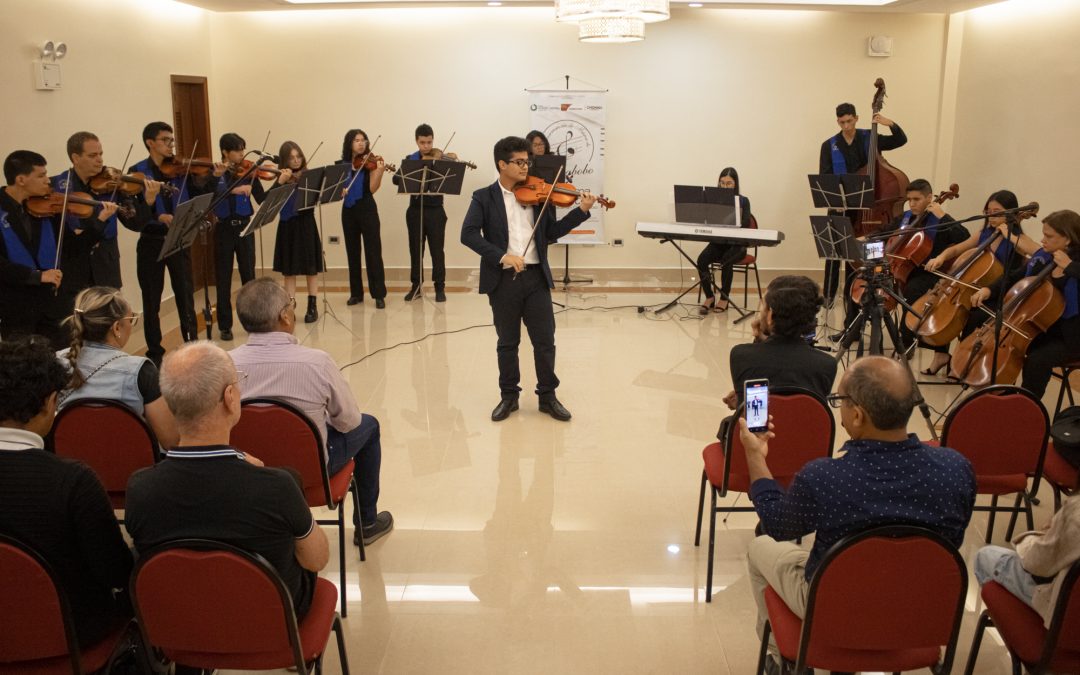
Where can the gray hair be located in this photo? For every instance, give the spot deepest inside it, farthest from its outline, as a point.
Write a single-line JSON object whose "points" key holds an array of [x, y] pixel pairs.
{"points": [[193, 379], [883, 388], [259, 304]]}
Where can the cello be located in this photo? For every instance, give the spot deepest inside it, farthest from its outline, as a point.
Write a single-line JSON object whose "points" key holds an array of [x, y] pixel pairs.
{"points": [[946, 306], [1030, 307], [890, 184]]}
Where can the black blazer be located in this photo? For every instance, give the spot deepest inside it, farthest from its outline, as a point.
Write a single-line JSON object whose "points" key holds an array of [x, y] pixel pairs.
{"points": [[785, 362], [485, 231]]}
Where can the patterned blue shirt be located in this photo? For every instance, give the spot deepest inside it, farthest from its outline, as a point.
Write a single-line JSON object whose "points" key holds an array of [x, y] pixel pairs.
{"points": [[875, 483]]}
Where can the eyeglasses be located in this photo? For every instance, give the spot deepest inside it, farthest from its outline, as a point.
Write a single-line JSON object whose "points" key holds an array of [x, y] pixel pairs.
{"points": [[167, 140], [836, 400], [240, 377], [522, 163], [291, 305], [134, 319]]}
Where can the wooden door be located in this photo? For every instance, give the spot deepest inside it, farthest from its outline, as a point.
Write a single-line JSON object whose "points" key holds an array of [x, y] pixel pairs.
{"points": [[191, 123]]}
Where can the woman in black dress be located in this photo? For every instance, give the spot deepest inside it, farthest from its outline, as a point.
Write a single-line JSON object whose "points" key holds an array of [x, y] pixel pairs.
{"points": [[298, 247]]}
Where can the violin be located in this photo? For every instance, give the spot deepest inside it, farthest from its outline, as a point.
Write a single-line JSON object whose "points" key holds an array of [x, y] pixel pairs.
{"points": [[370, 162], [79, 204], [171, 167], [890, 184], [946, 306], [906, 251], [535, 191], [243, 169], [112, 180], [439, 154], [1030, 307]]}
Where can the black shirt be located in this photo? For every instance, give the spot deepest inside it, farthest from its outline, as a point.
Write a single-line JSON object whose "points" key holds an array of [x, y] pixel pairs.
{"points": [[785, 362], [212, 493], [58, 507], [855, 153]]}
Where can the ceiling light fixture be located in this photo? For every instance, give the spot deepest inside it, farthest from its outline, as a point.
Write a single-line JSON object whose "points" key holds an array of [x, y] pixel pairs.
{"points": [[646, 11], [611, 30]]}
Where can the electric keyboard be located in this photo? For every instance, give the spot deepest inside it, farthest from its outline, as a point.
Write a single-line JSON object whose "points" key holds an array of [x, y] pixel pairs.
{"points": [[743, 236]]}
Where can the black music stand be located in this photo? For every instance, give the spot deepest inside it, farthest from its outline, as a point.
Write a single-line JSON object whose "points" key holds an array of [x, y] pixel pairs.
{"points": [[428, 177], [548, 168], [325, 190], [270, 208], [707, 205], [842, 192], [189, 219]]}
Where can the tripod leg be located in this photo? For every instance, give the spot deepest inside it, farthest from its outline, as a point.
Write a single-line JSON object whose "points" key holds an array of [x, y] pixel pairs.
{"points": [[905, 358], [852, 332]]}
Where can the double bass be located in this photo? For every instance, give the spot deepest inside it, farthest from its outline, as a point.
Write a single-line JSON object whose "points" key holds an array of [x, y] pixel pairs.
{"points": [[1030, 307], [890, 184], [946, 306]]}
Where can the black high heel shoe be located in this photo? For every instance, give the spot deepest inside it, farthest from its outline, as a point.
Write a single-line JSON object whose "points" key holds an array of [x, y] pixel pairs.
{"points": [[935, 371]]}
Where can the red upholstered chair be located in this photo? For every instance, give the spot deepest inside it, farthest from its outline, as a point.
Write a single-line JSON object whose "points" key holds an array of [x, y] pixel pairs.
{"points": [[209, 605], [1003, 430], [281, 435], [1056, 650], [1062, 476], [109, 437], [37, 633], [887, 599], [805, 430], [748, 262]]}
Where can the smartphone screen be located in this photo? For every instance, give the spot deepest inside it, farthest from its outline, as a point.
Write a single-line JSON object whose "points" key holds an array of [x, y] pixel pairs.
{"points": [[874, 250], [756, 397]]}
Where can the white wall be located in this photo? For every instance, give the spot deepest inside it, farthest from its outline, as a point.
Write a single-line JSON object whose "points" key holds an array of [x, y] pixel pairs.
{"points": [[753, 89], [1016, 123], [115, 78]]}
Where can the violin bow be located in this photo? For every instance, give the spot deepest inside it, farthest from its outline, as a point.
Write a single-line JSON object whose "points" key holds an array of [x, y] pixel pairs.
{"points": [[539, 216], [63, 226], [183, 183], [452, 134], [370, 150], [123, 167]]}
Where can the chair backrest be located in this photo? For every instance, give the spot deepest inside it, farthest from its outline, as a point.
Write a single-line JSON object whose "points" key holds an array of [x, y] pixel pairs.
{"points": [[197, 595], [1061, 651], [1002, 430], [887, 588], [280, 435], [805, 430], [109, 437], [36, 622]]}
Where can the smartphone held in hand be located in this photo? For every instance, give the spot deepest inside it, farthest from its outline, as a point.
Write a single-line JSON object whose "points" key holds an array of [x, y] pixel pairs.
{"points": [[756, 398]]}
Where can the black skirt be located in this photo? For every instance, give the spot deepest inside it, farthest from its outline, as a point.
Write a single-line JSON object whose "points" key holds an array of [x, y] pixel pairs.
{"points": [[298, 248]]}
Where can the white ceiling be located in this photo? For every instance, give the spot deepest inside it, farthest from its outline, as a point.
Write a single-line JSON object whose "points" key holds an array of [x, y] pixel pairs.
{"points": [[933, 6]]}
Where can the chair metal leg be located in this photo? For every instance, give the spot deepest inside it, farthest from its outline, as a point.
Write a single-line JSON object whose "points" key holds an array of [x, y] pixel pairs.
{"points": [[1057, 498], [1028, 501], [344, 657], [746, 287], [712, 543], [993, 514], [980, 628], [341, 556], [1013, 516], [356, 509], [1017, 668], [757, 280], [764, 651], [700, 509]]}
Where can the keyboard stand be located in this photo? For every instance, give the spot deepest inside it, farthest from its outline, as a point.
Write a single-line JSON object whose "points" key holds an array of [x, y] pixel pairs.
{"points": [[743, 314]]}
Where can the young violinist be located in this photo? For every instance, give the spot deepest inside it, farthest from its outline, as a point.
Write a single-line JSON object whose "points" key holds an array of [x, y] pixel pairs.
{"points": [[233, 215], [29, 275], [152, 219], [90, 255], [515, 276], [426, 221], [726, 255], [360, 219], [849, 152], [921, 206], [1060, 344], [298, 247]]}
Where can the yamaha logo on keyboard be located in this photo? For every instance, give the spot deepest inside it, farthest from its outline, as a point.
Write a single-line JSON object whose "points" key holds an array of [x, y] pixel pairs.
{"points": [[702, 230]]}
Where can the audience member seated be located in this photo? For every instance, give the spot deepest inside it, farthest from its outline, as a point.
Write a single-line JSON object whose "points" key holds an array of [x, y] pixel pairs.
{"points": [[279, 367], [780, 351], [100, 368], [1035, 570], [886, 476], [57, 506]]}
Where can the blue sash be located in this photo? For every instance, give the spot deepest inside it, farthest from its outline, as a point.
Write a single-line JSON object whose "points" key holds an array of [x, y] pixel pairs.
{"points": [[1071, 289], [839, 164], [18, 253]]}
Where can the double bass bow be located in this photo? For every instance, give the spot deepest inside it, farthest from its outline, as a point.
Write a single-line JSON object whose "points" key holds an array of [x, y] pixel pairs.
{"points": [[890, 184]]}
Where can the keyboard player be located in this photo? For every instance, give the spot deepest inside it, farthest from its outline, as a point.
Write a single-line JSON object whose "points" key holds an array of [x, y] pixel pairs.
{"points": [[724, 254]]}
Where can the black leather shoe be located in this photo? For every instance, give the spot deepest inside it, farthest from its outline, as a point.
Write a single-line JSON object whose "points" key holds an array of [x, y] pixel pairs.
{"points": [[557, 410], [413, 292], [227, 335], [312, 314], [353, 300], [440, 294], [503, 410], [380, 303], [384, 522]]}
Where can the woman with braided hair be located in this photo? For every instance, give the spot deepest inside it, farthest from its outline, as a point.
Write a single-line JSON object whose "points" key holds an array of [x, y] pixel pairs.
{"points": [[100, 368]]}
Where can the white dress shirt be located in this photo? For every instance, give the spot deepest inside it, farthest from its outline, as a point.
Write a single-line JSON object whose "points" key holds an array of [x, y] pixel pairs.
{"points": [[19, 439], [519, 221]]}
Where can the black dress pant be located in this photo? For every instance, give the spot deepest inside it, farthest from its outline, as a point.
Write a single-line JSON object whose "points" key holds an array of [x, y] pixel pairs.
{"points": [[228, 244], [1047, 351], [151, 275], [362, 229], [525, 299], [918, 284], [725, 255], [434, 232], [105, 264]]}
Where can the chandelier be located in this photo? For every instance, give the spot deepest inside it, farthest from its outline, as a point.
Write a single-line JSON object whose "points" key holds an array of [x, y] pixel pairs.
{"points": [[614, 29], [611, 20]]}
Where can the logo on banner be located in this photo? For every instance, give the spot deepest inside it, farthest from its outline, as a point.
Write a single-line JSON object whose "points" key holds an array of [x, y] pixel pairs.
{"points": [[571, 139]]}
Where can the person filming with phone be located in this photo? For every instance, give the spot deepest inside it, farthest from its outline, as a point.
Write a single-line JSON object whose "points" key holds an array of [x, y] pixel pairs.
{"points": [[902, 481]]}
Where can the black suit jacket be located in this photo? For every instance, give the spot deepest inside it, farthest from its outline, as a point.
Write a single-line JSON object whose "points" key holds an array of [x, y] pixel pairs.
{"points": [[485, 231], [785, 363]]}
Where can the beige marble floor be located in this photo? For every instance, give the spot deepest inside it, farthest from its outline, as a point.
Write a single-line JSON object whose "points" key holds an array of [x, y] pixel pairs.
{"points": [[534, 546]]}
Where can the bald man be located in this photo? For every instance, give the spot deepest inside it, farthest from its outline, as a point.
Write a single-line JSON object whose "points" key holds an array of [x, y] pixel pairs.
{"points": [[904, 481]]}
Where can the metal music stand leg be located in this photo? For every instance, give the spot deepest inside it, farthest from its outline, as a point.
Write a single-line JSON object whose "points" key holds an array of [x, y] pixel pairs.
{"points": [[208, 313], [327, 308], [567, 279]]}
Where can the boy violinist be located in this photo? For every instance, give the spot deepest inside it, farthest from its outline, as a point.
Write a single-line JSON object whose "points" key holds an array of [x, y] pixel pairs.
{"points": [[29, 277], [233, 214], [153, 216]]}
